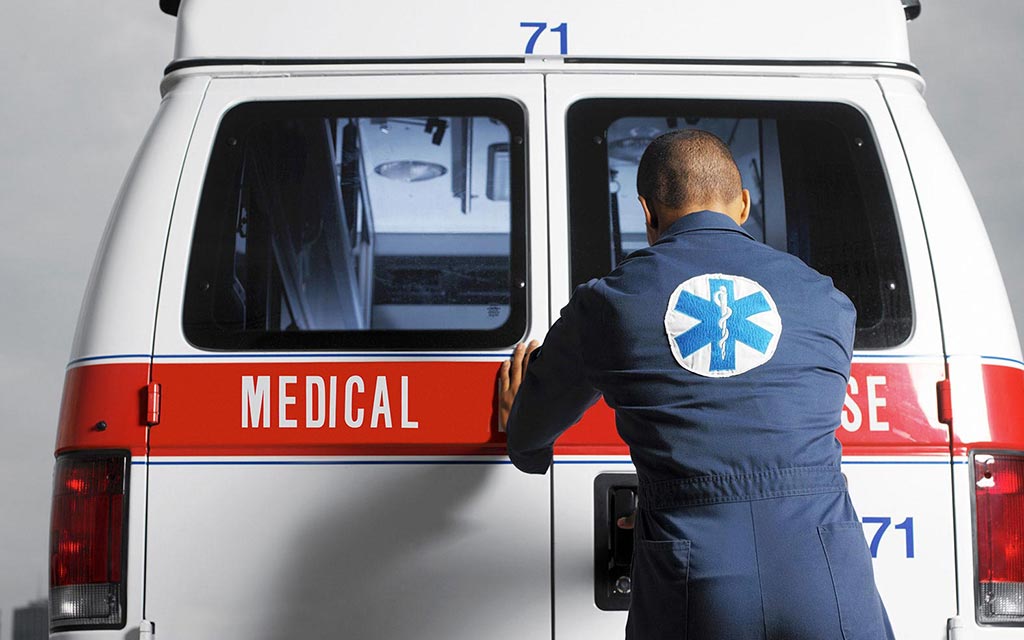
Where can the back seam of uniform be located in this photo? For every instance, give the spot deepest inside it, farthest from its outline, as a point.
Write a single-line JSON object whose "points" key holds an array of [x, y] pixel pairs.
{"points": [[757, 563]]}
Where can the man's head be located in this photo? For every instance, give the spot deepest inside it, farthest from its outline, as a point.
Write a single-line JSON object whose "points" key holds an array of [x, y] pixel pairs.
{"points": [[686, 171]]}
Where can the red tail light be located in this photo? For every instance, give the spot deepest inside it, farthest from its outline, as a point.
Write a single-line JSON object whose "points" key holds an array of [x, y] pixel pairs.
{"points": [[999, 522], [88, 541]]}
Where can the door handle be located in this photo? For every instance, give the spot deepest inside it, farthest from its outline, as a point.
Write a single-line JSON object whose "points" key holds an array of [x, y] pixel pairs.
{"points": [[614, 498], [623, 505]]}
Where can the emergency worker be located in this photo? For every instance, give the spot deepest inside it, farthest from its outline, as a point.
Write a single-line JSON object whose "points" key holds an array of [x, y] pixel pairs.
{"points": [[726, 362]]}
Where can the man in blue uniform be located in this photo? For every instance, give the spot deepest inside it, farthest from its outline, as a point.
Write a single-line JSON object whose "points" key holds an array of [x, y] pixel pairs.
{"points": [[726, 363]]}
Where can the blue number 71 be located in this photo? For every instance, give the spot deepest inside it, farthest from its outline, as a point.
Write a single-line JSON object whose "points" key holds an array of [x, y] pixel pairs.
{"points": [[907, 526], [562, 30]]}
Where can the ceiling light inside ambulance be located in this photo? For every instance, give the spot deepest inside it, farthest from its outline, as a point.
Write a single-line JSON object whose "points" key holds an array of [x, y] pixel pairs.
{"points": [[410, 170], [632, 147]]}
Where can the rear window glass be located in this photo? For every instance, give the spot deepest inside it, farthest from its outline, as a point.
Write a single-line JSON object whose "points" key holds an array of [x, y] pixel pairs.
{"points": [[817, 186], [357, 224]]}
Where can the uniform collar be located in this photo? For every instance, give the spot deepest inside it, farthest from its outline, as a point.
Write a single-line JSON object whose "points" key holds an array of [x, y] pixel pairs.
{"points": [[705, 221]]}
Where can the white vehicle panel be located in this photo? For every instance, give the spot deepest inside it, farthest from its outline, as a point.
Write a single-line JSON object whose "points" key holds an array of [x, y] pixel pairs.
{"points": [[368, 548], [120, 300], [688, 29], [963, 260], [576, 615], [904, 504]]}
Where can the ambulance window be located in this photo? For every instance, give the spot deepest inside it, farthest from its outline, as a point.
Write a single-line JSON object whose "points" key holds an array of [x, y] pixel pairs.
{"points": [[818, 191], [363, 225]]}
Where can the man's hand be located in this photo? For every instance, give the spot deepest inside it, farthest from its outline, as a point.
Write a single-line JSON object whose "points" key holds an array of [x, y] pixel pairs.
{"points": [[512, 372], [627, 522]]}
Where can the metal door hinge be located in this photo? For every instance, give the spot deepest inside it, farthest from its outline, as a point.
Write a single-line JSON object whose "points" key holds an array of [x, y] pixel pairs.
{"points": [[945, 402], [153, 404]]}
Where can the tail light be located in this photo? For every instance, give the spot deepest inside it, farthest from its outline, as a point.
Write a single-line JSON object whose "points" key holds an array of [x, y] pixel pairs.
{"points": [[88, 541], [999, 522]]}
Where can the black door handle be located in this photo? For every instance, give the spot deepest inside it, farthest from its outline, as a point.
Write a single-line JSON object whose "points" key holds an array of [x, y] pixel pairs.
{"points": [[614, 498], [623, 505]]}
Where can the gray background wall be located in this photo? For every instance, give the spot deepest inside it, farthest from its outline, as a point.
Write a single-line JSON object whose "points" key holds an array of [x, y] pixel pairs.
{"points": [[81, 84]]}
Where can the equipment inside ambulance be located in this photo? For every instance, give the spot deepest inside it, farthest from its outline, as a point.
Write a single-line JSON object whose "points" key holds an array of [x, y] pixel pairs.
{"points": [[323, 221], [279, 416]]}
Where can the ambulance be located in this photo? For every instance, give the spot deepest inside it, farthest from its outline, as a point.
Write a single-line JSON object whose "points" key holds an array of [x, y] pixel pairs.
{"points": [[279, 418]]}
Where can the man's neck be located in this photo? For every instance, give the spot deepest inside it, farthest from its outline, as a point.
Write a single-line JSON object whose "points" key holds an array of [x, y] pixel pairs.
{"points": [[668, 216]]}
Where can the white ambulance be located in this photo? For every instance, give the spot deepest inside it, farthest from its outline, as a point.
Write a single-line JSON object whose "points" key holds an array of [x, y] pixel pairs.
{"points": [[279, 414]]}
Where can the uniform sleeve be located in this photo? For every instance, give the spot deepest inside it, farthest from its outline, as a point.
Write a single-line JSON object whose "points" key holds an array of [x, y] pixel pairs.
{"points": [[555, 392], [846, 323]]}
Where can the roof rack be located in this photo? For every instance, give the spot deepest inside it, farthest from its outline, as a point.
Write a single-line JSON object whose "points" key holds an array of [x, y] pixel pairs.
{"points": [[912, 8]]}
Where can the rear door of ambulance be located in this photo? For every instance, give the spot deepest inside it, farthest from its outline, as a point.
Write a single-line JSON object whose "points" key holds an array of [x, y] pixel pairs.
{"points": [[829, 183], [350, 259]]}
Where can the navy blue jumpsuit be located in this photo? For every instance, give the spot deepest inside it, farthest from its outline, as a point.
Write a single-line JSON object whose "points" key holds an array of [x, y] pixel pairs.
{"points": [[726, 362]]}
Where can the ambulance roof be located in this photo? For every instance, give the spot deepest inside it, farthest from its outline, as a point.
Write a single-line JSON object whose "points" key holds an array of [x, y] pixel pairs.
{"points": [[706, 30]]}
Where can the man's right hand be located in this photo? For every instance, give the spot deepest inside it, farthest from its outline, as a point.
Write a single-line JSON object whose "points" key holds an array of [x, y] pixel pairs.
{"points": [[512, 373]]}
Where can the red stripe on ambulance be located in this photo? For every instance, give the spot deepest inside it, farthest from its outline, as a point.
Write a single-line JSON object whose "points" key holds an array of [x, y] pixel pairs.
{"points": [[440, 408], [102, 408], [1004, 399], [327, 408]]}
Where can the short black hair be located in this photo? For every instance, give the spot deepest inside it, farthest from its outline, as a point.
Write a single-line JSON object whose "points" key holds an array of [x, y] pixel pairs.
{"points": [[688, 166]]}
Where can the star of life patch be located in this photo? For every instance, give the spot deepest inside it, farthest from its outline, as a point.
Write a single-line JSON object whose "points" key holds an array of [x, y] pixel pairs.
{"points": [[721, 325]]}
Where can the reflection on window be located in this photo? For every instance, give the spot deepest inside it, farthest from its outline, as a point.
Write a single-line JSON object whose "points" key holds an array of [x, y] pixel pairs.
{"points": [[336, 223], [816, 183]]}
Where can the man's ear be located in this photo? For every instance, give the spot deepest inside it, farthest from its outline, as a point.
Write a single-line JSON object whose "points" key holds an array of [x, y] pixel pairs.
{"points": [[650, 218], [745, 213]]}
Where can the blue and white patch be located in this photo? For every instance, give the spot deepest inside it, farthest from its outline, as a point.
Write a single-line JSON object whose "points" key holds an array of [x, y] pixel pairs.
{"points": [[720, 325]]}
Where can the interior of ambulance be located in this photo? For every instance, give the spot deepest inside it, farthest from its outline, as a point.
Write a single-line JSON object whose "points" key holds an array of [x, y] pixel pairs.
{"points": [[403, 223]]}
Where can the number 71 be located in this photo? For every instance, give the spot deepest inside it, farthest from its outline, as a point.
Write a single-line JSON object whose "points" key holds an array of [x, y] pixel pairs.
{"points": [[562, 30], [907, 526]]}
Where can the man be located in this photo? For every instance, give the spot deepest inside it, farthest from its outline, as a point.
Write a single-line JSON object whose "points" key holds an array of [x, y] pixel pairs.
{"points": [[726, 363]]}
